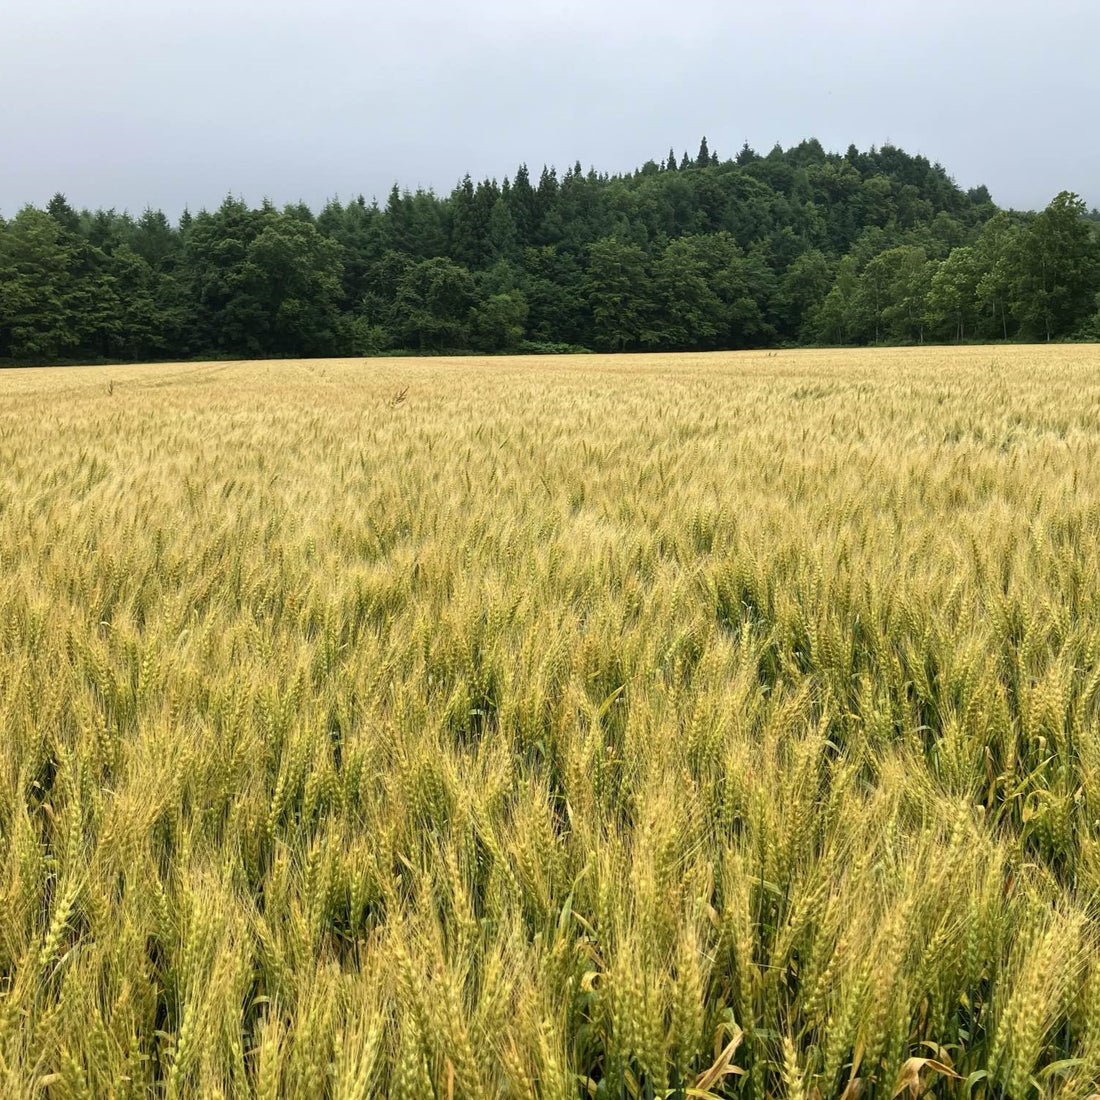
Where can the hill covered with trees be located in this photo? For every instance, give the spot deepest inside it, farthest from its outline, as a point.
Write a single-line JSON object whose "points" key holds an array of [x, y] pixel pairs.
{"points": [[799, 246]]}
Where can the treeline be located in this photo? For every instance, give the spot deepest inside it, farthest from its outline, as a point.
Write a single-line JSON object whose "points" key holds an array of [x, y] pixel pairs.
{"points": [[798, 246]]}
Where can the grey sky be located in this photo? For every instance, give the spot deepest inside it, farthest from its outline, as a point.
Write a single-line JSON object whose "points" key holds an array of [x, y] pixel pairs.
{"points": [[169, 103]]}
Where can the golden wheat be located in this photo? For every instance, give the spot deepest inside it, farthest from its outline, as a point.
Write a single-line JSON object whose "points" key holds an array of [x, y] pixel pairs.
{"points": [[719, 725]]}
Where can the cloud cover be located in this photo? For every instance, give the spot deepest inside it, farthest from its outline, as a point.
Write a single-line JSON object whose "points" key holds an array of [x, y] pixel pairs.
{"points": [[169, 104]]}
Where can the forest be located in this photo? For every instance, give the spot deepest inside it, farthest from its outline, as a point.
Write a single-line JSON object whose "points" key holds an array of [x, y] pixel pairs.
{"points": [[796, 247]]}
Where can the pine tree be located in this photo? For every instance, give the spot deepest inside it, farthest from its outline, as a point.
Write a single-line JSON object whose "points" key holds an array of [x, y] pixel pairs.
{"points": [[523, 205], [465, 244], [59, 209]]}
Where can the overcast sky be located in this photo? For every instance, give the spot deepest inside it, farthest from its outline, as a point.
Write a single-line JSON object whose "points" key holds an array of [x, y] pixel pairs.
{"points": [[168, 103]]}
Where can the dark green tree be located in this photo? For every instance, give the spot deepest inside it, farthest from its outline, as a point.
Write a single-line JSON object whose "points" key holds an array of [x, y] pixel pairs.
{"points": [[687, 312], [293, 275], [498, 322], [906, 314], [802, 289], [1055, 271], [552, 284], [225, 316], [523, 206], [953, 302], [59, 209], [996, 250], [432, 306], [837, 320], [503, 237], [469, 244], [801, 244], [617, 289], [37, 263], [746, 155]]}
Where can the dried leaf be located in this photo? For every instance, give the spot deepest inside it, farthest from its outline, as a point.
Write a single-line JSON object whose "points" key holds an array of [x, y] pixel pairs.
{"points": [[909, 1075], [722, 1066]]}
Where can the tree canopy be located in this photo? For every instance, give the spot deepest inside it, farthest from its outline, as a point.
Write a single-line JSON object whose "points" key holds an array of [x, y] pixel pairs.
{"points": [[796, 246]]}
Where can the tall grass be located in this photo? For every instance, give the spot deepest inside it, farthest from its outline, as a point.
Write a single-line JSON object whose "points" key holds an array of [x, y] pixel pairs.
{"points": [[701, 726]]}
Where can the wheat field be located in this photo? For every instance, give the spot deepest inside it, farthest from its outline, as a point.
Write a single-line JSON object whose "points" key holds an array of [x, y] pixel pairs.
{"points": [[686, 726]]}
